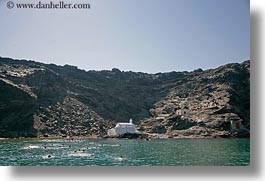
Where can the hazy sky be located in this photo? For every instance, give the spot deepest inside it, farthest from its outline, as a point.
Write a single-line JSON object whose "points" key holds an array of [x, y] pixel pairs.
{"points": [[138, 35]]}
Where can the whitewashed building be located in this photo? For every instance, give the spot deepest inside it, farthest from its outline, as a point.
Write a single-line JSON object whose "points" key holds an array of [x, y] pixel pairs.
{"points": [[122, 128]]}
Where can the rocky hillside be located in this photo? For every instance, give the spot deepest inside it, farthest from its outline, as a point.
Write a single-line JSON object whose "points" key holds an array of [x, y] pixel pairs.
{"points": [[212, 99], [46, 99]]}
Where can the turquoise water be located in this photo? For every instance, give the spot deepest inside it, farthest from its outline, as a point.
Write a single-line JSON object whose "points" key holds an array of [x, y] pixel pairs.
{"points": [[183, 152]]}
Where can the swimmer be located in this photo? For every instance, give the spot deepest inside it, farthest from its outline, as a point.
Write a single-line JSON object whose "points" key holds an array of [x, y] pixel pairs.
{"points": [[49, 156], [121, 158]]}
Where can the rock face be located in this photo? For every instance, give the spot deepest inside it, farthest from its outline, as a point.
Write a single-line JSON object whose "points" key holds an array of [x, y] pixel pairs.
{"points": [[16, 112], [212, 99], [70, 118], [46, 99]]}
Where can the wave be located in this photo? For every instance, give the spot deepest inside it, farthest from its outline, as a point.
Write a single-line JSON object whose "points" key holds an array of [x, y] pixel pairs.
{"points": [[30, 147], [119, 158], [112, 145], [80, 154], [48, 156]]}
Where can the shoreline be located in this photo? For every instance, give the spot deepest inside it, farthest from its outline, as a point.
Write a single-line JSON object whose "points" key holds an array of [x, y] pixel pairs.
{"points": [[101, 138]]}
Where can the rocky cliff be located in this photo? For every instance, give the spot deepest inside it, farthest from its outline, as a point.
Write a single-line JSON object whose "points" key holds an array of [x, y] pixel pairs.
{"points": [[46, 99], [214, 100]]}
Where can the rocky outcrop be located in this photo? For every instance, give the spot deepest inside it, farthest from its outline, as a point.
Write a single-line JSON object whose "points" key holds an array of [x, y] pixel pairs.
{"points": [[70, 118], [16, 112], [211, 99], [46, 99]]}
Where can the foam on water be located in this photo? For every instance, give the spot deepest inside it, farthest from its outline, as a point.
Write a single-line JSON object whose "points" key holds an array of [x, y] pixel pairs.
{"points": [[120, 158], [47, 156], [80, 154], [54, 147], [116, 145], [91, 147], [47, 140], [30, 147], [113, 145]]}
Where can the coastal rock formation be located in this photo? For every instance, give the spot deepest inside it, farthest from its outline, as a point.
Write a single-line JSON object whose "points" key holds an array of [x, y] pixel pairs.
{"points": [[16, 111], [212, 100], [70, 118], [45, 99]]}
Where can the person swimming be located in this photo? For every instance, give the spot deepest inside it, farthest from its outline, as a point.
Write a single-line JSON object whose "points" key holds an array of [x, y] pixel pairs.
{"points": [[121, 158]]}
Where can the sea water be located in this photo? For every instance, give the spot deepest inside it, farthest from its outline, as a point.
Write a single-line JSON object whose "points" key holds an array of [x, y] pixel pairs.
{"points": [[114, 152]]}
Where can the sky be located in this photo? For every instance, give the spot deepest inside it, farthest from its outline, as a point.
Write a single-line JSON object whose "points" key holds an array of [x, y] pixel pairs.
{"points": [[132, 35]]}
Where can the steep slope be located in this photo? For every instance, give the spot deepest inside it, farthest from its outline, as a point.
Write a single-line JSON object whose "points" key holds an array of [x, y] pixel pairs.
{"points": [[65, 101], [16, 111], [212, 98]]}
